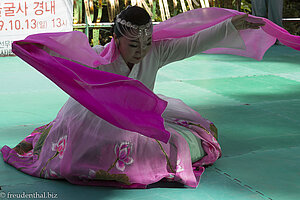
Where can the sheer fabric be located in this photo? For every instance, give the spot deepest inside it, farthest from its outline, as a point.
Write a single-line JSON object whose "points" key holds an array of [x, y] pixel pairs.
{"points": [[109, 132], [86, 85]]}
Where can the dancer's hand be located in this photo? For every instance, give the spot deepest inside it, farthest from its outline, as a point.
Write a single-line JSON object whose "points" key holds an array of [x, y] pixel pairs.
{"points": [[240, 23]]}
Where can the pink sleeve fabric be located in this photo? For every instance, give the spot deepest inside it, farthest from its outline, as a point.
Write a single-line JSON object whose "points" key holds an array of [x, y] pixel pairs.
{"points": [[124, 102], [257, 42]]}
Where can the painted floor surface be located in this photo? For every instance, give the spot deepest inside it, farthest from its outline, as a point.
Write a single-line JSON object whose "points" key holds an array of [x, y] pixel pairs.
{"points": [[254, 104]]}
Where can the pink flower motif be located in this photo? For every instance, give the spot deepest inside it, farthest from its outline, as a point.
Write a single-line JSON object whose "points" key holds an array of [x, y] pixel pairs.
{"points": [[179, 168], [53, 174], [123, 151], [60, 146], [211, 149], [92, 174], [170, 177]]}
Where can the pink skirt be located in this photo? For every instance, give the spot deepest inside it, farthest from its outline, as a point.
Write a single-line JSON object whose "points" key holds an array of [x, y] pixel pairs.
{"points": [[84, 149]]}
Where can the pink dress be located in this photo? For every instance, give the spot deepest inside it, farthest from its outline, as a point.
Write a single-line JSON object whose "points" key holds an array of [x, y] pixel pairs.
{"points": [[89, 145]]}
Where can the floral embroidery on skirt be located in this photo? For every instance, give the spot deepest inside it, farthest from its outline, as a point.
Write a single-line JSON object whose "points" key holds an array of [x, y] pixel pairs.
{"points": [[84, 149]]}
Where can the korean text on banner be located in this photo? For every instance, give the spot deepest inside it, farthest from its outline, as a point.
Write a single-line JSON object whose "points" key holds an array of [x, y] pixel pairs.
{"points": [[20, 18]]}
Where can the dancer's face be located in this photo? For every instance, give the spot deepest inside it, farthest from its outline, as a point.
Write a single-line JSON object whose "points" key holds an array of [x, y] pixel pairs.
{"points": [[133, 50]]}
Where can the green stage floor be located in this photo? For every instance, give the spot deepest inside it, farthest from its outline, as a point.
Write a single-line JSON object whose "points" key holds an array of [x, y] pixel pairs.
{"points": [[255, 105]]}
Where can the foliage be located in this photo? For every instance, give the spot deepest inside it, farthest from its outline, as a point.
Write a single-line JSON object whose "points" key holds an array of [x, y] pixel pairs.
{"points": [[246, 6], [291, 9]]}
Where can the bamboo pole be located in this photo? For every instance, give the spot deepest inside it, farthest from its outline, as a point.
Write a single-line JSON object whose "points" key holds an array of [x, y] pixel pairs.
{"points": [[99, 16], [117, 8], [202, 4], [87, 11], [111, 10], [183, 5], [174, 4], [190, 4], [166, 6], [162, 10], [126, 3], [133, 2], [196, 3], [139, 3], [146, 7], [206, 3], [91, 5], [151, 3]]}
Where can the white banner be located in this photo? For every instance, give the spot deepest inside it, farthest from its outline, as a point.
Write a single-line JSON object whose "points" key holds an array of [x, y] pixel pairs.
{"points": [[20, 18]]}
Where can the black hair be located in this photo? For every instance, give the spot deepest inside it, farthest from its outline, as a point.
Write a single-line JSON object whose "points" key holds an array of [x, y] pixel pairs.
{"points": [[134, 14]]}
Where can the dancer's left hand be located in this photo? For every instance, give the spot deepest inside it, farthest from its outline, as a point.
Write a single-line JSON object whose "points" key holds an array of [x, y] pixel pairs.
{"points": [[240, 22]]}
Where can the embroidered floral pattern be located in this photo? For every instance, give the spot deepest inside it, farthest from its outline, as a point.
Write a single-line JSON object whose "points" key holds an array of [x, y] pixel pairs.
{"points": [[170, 177], [179, 168], [44, 131], [53, 174], [211, 149], [166, 155], [92, 174], [60, 146], [123, 152]]}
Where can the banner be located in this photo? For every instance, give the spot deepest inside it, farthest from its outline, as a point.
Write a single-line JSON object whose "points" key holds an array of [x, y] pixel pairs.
{"points": [[20, 18]]}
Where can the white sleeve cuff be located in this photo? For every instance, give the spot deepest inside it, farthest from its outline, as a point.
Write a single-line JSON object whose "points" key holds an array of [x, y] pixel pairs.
{"points": [[232, 39]]}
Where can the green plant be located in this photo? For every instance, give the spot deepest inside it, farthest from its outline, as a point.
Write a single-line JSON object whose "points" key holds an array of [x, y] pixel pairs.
{"points": [[246, 6]]}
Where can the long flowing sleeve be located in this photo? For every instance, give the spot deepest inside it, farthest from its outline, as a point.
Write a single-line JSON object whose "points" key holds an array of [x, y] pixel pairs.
{"points": [[223, 34]]}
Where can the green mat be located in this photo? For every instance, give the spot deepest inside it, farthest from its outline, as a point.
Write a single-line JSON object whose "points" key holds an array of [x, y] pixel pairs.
{"points": [[255, 105]]}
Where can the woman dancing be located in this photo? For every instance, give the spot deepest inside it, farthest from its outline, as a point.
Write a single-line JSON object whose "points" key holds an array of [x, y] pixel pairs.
{"points": [[83, 148]]}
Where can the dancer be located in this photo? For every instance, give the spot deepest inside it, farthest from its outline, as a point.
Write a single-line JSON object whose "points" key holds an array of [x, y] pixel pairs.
{"points": [[86, 149]]}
